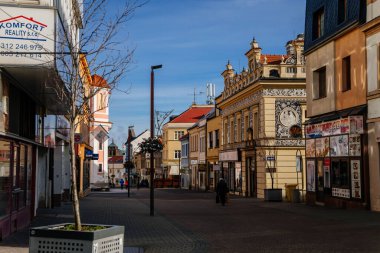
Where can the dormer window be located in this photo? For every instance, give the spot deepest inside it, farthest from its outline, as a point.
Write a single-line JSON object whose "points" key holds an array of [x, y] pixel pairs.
{"points": [[274, 73]]}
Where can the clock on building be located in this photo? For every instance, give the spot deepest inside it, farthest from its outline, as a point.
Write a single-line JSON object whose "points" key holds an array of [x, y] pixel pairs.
{"points": [[288, 117]]}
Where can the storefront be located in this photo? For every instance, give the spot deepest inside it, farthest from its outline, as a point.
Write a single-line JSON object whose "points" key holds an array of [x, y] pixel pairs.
{"points": [[231, 170], [336, 165]]}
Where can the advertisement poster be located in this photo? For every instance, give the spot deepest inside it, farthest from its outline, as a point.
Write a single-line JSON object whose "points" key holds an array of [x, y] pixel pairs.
{"points": [[341, 193], [356, 124], [339, 145], [322, 147], [310, 176], [313, 131], [326, 172], [355, 146], [310, 148], [355, 179], [344, 126]]}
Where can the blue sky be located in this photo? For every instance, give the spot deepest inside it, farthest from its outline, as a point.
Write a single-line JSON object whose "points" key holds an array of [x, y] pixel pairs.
{"points": [[193, 40]]}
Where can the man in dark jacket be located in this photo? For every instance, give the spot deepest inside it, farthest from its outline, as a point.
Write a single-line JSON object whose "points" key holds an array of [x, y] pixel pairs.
{"points": [[222, 190]]}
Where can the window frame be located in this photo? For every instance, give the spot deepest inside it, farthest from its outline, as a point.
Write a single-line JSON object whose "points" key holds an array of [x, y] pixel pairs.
{"points": [[319, 93], [346, 73], [318, 23]]}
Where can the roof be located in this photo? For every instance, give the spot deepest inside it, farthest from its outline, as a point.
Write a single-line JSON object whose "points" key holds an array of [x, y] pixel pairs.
{"points": [[116, 159], [191, 115], [273, 58], [98, 81]]}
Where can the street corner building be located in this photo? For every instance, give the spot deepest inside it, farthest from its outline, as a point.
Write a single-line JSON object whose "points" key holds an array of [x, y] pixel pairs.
{"points": [[262, 110], [34, 133], [342, 132]]}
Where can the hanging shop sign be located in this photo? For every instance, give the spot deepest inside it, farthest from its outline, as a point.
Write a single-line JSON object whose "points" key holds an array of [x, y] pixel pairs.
{"points": [[27, 36]]}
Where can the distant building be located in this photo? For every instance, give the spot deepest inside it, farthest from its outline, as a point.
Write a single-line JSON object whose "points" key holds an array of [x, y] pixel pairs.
{"points": [[172, 132]]}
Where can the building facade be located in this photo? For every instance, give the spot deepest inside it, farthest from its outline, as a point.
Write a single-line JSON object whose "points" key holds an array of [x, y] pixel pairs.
{"points": [[32, 139], [372, 36], [172, 131], [336, 132], [184, 168], [262, 110], [213, 133]]}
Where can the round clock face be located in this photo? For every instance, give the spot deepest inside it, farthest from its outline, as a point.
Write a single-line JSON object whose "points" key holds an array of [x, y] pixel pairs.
{"points": [[288, 117]]}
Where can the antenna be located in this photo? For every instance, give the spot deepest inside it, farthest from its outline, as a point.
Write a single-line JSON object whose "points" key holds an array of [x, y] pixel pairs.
{"points": [[195, 93], [161, 116], [210, 93]]}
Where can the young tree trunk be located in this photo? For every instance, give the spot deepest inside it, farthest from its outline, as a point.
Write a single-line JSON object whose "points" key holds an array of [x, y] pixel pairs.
{"points": [[74, 189]]}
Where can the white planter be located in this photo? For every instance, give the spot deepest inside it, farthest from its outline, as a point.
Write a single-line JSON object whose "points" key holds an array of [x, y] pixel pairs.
{"points": [[50, 239]]}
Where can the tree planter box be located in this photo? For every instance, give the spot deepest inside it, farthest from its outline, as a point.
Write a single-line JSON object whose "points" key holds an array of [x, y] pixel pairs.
{"points": [[50, 239], [273, 194]]}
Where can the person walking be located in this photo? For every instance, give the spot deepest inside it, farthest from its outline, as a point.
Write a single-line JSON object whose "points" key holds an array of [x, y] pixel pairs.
{"points": [[221, 191], [121, 184]]}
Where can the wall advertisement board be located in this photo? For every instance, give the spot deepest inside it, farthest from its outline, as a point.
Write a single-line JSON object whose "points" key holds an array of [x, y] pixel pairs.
{"points": [[27, 36]]}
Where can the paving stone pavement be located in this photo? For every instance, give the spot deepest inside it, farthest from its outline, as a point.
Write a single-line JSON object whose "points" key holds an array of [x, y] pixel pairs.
{"points": [[188, 221]]}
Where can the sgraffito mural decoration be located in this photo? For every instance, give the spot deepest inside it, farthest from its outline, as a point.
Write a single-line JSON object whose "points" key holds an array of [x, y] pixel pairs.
{"points": [[288, 113]]}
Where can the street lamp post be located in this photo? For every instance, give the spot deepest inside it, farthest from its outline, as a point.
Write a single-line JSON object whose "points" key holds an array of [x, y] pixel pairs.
{"points": [[151, 136], [179, 170]]}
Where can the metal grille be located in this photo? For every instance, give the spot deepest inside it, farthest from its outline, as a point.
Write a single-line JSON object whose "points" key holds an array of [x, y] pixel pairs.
{"points": [[111, 245], [59, 246]]}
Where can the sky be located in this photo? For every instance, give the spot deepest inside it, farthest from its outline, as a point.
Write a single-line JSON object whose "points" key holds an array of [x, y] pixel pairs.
{"points": [[193, 40]]}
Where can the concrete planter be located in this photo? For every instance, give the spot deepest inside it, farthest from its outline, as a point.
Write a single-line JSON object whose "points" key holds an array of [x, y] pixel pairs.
{"points": [[51, 239], [273, 194]]}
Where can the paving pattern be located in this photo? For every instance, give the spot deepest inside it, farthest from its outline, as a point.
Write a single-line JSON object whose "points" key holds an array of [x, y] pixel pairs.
{"points": [[191, 222]]}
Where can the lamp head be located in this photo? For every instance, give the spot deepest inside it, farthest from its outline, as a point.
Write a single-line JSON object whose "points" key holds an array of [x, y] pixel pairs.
{"points": [[156, 67]]}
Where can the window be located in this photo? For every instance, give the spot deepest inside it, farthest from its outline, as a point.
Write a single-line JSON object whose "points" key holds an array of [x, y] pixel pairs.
{"points": [[177, 154], [100, 145], [228, 133], [238, 131], [274, 73], [318, 23], [202, 144], [342, 11], [178, 134], [100, 168], [216, 138], [319, 82], [210, 140], [256, 127], [235, 129], [291, 70], [346, 73], [340, 176]]}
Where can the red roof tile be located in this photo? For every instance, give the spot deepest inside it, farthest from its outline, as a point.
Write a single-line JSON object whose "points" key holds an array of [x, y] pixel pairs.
{"points": [[191, 115], [272, 58], [99, 81], [116, 159]]}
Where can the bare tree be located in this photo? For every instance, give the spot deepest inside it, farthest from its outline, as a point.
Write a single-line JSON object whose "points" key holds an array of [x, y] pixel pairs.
{"points": [[108, 56]]}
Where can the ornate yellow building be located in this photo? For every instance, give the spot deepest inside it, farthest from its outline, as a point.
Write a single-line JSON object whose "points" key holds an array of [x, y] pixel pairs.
{"points": [[259, 107]]}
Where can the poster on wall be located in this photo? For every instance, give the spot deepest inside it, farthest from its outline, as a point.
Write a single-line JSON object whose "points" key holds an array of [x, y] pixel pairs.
{"points": [[355, 146], [356, 124], [326, 172], [355, 179], [339, 145], [310, 176], [310, 148], [322, 147]]}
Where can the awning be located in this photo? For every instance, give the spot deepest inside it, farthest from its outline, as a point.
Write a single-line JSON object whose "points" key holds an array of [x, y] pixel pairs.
{"points": [[359, 110]]}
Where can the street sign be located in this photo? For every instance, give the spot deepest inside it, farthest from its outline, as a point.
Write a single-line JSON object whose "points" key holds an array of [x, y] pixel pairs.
{"points": [[77, 138], [270, 158], [88, 153]]}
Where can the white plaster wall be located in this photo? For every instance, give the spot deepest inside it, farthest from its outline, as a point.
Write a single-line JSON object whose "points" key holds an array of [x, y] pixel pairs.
{"points": [[373, 10], [316, 60], [374, 168], [372, 61]]}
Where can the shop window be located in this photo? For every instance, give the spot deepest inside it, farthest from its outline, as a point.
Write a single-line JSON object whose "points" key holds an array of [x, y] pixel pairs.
{"points": [[340, 173], [346, 73], [319, 83], [5, 177], [342, 11], [318, 23]]}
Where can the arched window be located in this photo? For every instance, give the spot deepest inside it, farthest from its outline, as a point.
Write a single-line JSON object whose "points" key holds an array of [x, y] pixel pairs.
{"points": [[274, 73]]}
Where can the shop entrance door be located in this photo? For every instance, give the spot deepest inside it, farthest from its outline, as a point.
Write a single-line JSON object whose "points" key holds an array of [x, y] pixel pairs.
{"points": [[202, 180], [320, 181]]}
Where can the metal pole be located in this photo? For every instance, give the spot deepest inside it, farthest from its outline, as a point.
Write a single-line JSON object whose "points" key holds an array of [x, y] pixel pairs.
{"points": [[151, 136], [129, 167]]}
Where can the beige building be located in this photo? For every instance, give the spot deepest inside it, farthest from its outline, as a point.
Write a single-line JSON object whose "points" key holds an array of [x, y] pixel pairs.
{"points": [[172, 131], [259, 107], [372, 33], [213, 131]]}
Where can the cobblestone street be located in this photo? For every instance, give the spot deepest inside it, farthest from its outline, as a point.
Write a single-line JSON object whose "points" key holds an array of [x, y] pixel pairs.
{"points": [[187, 221]]}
